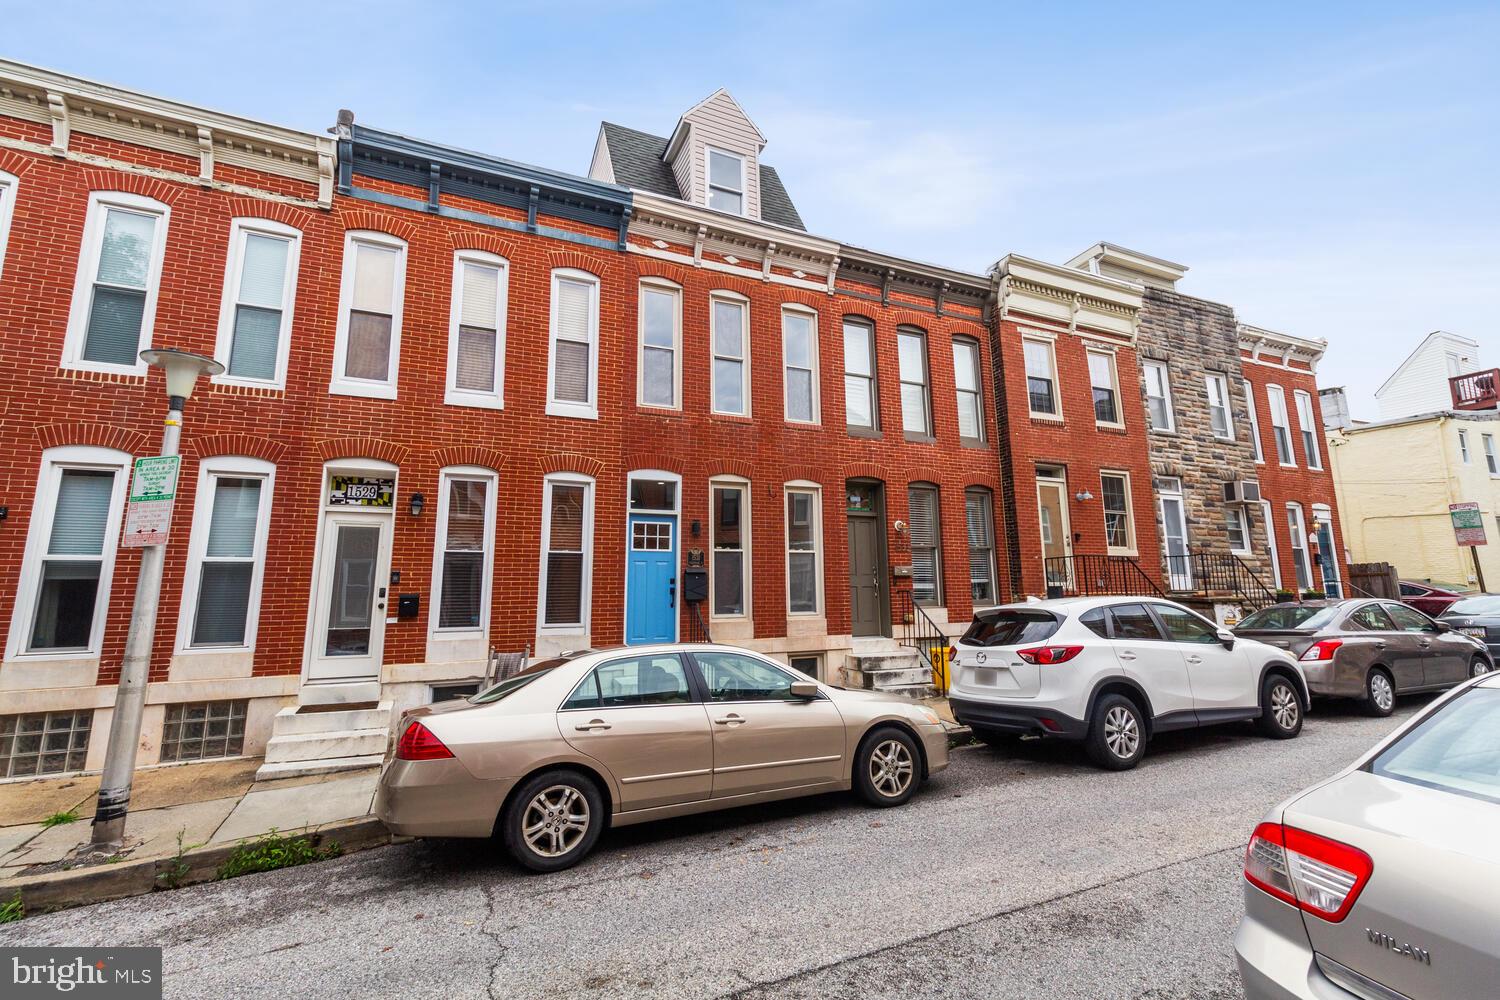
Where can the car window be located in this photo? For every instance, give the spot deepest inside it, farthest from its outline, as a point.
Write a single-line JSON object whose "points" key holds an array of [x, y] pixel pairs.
{"points": [[1373, 618], [1011, 627], [653, 679], [1455, 749], [1290, 616], [511, 685], [1411, 590], [1133, 621], [1184, 626], [1095, 622], [1407, 619], [1476, 606], [736, 677]]}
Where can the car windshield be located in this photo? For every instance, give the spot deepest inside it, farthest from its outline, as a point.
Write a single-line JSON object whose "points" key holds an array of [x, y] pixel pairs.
{"points": [[513, 684], [1011, 628], [1290, 616], [1456, 749], [1487, 605]]}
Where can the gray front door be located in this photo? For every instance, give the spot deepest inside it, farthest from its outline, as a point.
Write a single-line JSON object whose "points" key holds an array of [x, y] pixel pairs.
{"points": [[866, 576]]}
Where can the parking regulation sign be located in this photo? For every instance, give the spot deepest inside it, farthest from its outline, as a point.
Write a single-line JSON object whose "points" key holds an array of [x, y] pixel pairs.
{"points": [[153, 487], [1468, 523]]}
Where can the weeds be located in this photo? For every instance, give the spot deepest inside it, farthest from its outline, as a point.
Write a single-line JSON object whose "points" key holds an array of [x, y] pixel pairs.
{"points": [[12, 910], [174, 869], [274, 851], [59, 818]]}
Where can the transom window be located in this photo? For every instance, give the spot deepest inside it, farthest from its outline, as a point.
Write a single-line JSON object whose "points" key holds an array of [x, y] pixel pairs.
{"points": [[966, 386], [731, 371], [260, 283], [367, 351], [861, 408], [799, 336], [1041, 378], [476, 330], [1105, 387], [726, 182], [119, 274]]}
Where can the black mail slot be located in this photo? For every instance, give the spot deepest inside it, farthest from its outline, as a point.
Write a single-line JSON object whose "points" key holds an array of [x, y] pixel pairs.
{"points": [[695, 585], [408, 605]]}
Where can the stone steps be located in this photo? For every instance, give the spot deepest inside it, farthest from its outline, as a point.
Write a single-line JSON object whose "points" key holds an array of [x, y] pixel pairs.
{"points": [[895, 671], [321, 741]]}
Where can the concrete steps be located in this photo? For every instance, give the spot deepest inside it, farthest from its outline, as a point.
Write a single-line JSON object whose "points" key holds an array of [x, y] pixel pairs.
{"points": [[896, 671], [322, 741]]}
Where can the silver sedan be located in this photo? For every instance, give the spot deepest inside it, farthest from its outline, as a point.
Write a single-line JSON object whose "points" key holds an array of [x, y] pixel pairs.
{"points": [[1383, 882]]}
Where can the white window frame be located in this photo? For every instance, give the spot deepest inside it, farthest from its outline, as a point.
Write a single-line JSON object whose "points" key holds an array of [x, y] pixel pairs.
{"points": [[872, 381], [10, 186], [994, 569], [1277, 395], [1240, 516], [1153, 365], [1050, 345], [209, 469], [1491, 458], [709, 186], [561, 407], [815, 490], [1131, 548], [341, 384], [239, 232], [1114, 386], [743, 304], [929, 429], [1302, 551], [1260, 452], [100, 202], [454, 395], [746, 560], [661, 286], [1307, 428], [586, 571], [1217, 384], [1463, 447], [971, 344], [38, 536], [491, 480], [817, 404]]}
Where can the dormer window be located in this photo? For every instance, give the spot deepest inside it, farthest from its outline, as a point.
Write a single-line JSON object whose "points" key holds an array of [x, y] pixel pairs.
{"points": [[726, 182]]}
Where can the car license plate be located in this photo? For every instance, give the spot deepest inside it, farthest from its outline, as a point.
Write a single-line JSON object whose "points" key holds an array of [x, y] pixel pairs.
{"points": [[1477, 633]]}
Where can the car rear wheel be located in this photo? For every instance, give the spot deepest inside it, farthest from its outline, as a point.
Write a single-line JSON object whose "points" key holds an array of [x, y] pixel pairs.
{"points": [[1479, 667], [553, 821], [1280, 709], [887, 767], [1117, 734], [1380, 693]]}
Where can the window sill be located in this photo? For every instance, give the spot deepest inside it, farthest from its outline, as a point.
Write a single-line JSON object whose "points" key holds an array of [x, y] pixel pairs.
{"points": [[911, 438], [1051, 418], [368, 390], [574, 410], [804, 425], [476, 401], [95, 368], [867, 433], [1106, 425], [1171, 431], [264, 384], [658, 408], [726, 415], [978, 444]]}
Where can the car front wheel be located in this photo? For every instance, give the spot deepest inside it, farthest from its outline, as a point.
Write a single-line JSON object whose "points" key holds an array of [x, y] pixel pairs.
{"points": [[887, 768], [553, 821], [1117, 734], [1280, 709], [1478, 668]]}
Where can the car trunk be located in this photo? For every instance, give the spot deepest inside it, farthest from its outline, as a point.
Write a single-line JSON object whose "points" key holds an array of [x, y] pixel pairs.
{"points": [[1293, 640], [987, 659], [1424, 923]]}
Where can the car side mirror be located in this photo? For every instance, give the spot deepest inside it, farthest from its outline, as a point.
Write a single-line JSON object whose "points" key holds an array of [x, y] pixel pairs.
{"points": [[1226, 638], [804, 689], [1442, 627]]}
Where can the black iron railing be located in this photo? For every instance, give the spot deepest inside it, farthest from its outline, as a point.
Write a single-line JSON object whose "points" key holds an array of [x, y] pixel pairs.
{"points": [[1093, 575], [1213, 573], [697, 628], [913, 628]]}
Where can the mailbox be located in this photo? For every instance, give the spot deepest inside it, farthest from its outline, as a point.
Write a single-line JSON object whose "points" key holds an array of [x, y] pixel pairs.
{"points": [[694, 585], [408, 605]]}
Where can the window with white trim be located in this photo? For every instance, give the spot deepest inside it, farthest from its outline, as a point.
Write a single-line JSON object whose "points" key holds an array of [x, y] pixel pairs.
{"points": [[70, 552], [966, 386], [1296, 530], [1220, 414], [726, 181], [1105, 385], [8, 187], [1463, 446], [1260, 455], [1280, 428], [1237, 524], [729, 319], [799, 345], [1308, 428], [729, 545], [573, 349], [255, 318], [979, 521], [226, 554], [567, 551], [660, 380], [119, 276], [804, 550], [1491, 461], [1119, 521], [465, 550], [1041, 378], [476, 330], [916, 401], [924, 526], [367, 340], [861, 402], [1159, 415]]}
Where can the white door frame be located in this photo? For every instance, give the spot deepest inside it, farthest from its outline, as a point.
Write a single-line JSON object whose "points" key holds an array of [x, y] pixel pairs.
{"points": [[1060, 483], [1185, 575], [1270, 522]]}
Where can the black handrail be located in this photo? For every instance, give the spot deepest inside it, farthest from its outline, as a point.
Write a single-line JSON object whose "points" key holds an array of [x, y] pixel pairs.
{"points": [[918, 631], [1093, 575], [1205, 573]]}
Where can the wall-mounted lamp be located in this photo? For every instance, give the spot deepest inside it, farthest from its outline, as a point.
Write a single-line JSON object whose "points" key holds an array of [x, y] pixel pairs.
{"points": [[900, 527], [697, 528], [418, 501], [1083, 496]]}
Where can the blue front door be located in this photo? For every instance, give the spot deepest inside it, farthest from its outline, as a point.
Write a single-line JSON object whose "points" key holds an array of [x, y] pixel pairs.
{"points": [[651, 580]]}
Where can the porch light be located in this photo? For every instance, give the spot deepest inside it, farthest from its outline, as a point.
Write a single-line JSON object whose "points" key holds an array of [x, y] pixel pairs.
{"points": [[1083, 496], [418, 501]]}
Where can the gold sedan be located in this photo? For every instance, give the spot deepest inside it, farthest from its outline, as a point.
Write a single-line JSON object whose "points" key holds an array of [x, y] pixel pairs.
{"points": [[546, 760]]}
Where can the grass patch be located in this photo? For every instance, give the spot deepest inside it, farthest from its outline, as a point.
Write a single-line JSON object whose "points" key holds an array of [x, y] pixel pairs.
{"points": [[59, 818], [12, 910], [274, 851]]}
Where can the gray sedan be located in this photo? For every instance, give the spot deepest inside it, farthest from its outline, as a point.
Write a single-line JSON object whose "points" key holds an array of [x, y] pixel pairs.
{"points": [[1368, 649], [1383, 881]]}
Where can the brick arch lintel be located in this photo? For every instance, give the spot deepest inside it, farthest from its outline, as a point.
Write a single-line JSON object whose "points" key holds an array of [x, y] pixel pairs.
{"points": [[248, 445], [865, 470], [564, 462], [14, 163], [655, 460], [360, 447], [97, 435], [578, 261], [256, 208], [733, 467], [364, 218], [485, 458], [923, 474], [490, 243], [117, 180]]}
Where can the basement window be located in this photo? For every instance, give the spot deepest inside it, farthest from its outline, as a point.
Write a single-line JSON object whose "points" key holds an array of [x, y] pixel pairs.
{"points": [[44, 743], [203, 730]]}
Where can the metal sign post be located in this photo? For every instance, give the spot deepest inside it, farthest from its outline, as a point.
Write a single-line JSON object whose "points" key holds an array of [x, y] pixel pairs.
{"points": [[1468, 531]]}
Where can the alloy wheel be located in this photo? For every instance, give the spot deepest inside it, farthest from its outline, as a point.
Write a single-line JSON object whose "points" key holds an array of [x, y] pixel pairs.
{"points": [[891, 768], [1381, 692], [1121, 732], [1284, 707], [555, 821], [1478, 668]]}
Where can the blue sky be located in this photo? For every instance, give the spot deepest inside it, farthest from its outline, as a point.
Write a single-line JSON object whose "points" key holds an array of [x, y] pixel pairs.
{"points": [[1328, 169]]}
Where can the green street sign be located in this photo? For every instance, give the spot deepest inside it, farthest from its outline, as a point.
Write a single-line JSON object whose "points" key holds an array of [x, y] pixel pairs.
{"points": [[154, 479]]}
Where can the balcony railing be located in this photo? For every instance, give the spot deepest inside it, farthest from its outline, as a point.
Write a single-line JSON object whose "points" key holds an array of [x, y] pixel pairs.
{"points": [[1476, 390]]}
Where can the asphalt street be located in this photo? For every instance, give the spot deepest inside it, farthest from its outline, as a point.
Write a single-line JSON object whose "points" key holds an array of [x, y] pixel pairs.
{"points": [[1023, 874]]}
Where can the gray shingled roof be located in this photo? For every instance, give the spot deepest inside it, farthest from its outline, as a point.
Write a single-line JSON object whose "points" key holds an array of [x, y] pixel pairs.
{"points": [[637, 161]]}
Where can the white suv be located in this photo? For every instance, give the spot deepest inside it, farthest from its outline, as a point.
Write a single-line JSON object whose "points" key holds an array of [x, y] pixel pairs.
{"points": [[1114, 671]]}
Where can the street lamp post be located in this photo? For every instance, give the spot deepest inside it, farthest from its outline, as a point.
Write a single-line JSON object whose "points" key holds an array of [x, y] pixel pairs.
{"points": [[182, 370]]}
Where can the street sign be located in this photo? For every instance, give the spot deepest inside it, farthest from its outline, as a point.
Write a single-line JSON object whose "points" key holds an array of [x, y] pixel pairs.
{"points": [[1468, 523], [153, 488]]}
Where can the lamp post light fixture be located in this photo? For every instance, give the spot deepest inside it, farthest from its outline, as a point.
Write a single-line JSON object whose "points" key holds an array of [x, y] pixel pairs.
{"points": [[182, 369]]}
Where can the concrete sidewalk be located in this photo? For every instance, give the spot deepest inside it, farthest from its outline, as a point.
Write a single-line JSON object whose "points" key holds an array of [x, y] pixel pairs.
{"points": [[212, 807]]}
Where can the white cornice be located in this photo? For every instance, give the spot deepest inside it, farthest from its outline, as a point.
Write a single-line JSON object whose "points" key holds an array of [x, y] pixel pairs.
{"points": [[1282, 348], [1067, 296], [1130, 260]]}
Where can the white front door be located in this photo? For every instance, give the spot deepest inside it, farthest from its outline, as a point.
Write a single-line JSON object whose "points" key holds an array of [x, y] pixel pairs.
{"points": [[349, 616], [1057, 534], [1174, 538]]}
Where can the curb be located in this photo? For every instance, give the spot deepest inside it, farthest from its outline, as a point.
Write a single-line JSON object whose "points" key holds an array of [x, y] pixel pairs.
{"points": [[958, 736], [101, 883]]}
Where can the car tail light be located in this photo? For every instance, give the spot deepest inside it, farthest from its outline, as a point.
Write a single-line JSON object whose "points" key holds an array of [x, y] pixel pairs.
{"points": [[1048, 655], [952, 653], [1323, 649], [418, 743], [1320, 876]]}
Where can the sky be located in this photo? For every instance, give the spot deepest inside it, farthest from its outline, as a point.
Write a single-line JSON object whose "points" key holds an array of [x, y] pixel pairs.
{"points": [[1330, 170]]}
